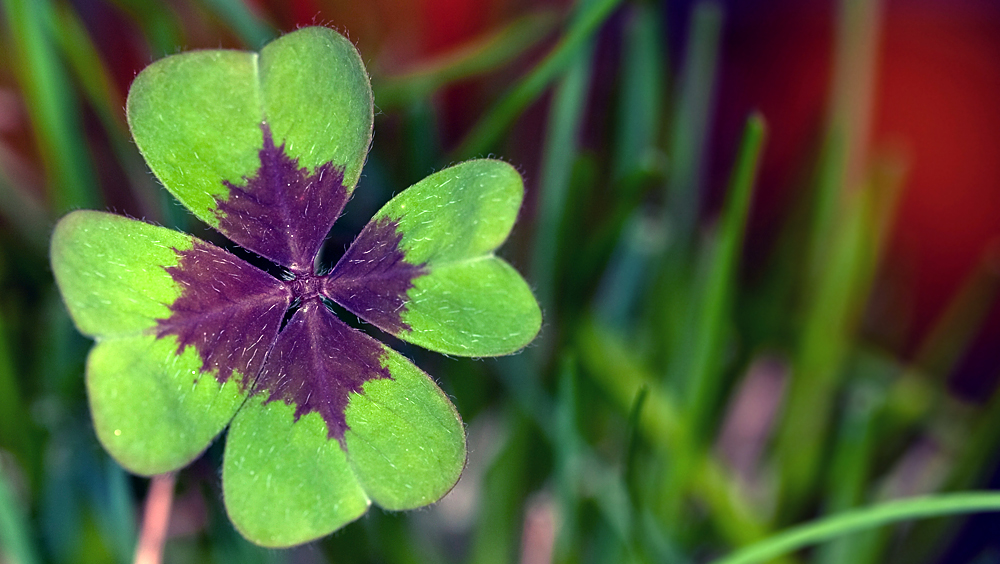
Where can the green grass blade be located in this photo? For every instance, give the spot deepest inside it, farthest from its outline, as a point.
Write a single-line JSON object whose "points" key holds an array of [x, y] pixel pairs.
{"points": [[620, 375], [637, 164], [520, 377], [962, 319], [975, 458], [568, 462], [565, 119], [844, 218], [15, 541], [818, 371], [848, 522], [842, 160], [118, 518], [641, 239], [159, 24], [252, 31], [852, 457], [53, 110], [836, 299], [671, 305], [11, 432], [632, 432], [981, 451], [689, 133], [91, 72], [84, 60], [481, 55], [581, 475], [18, 434], [505, 485], [423, 143], [715, 301], [490, 127], [23, 211], [695, 364], [640, 107]]}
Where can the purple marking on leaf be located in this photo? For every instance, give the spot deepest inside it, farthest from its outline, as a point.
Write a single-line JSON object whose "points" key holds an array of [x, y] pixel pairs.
{"points": [[372, 278], [283, 213], [317, 362], [228, 310]]}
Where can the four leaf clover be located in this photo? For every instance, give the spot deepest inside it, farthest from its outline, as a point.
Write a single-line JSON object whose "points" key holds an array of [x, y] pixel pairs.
{"points": [[323, 419]]}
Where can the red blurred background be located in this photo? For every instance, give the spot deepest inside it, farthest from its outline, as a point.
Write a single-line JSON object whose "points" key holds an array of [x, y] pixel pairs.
{"points": [[936, 105], [937, 87], [936, 93]]}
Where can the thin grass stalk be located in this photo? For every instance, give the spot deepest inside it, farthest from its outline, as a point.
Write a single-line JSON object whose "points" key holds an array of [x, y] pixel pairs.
{"points": [[16, 545], [691, 119], [832, 292], [835, 526], [488, 130], [52, 107], [560, 152]]}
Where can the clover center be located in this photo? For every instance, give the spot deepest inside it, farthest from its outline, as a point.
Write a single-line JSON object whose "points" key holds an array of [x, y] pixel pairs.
{"points": [[306, 285]]}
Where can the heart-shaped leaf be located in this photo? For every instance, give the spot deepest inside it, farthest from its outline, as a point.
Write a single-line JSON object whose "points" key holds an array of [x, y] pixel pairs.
{"points": [[405, 440], [424, 270], [154, 410], [266, 148], [328, 386], [168, 372], [284, 481]]}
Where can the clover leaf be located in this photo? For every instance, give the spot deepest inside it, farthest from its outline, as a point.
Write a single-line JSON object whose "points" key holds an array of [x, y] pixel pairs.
{"points": [[323, 419]]}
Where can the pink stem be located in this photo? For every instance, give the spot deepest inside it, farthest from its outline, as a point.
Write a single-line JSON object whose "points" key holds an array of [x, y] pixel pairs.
{"points": [[155, 520]]}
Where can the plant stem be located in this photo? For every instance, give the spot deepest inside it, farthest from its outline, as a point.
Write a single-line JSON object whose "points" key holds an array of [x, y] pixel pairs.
{"points": [[155, 520]]}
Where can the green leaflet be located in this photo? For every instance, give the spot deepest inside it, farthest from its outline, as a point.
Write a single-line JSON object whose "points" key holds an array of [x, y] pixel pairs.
{"points": [[197, 116], [153, 410], [196, 119], [406, 441], [462, 212], [476, 307], [108, 268], [317, 98], [470, 302], [286, 482]]}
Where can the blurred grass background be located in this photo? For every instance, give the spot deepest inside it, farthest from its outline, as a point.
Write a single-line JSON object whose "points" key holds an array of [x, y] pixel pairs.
{"points": [[764, 235]]}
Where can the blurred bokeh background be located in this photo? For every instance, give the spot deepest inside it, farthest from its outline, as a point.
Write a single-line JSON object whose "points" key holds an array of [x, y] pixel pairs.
{"points": [[765, 235]]}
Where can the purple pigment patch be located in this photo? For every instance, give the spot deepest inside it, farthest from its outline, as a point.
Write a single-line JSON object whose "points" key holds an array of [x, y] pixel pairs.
{"points": [[317, 362], [372, 278], [228, 310], [231, 312], [283, 213]]}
